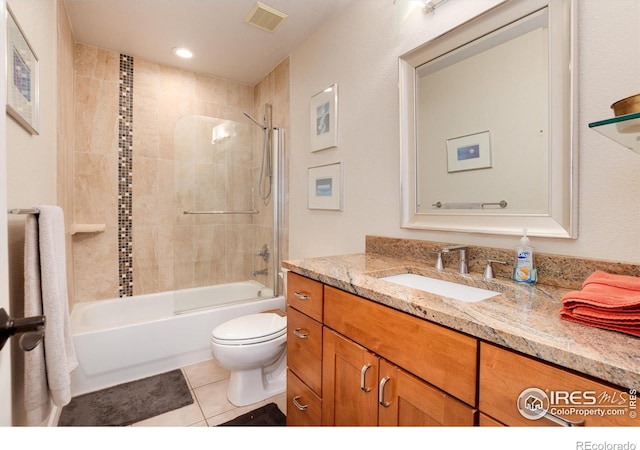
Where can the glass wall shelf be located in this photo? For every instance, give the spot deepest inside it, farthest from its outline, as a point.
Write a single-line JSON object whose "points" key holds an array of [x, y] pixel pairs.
{"points": [[625, 130]]}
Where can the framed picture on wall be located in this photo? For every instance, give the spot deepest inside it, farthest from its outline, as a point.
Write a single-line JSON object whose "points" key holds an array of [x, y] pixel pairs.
{"points": [[324, 119], [325, 187], [22, 77], [469, 152]]}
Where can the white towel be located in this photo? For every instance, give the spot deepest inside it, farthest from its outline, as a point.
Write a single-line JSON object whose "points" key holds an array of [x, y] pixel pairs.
{"points": [[36, 392], [60, 356]]}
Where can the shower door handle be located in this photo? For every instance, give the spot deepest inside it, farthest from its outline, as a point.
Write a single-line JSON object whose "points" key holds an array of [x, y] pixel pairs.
{"points": [[31, 328]]}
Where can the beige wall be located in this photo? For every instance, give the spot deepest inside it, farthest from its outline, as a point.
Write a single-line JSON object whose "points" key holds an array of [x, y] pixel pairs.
{"points": [[366, 71], [94, 171], [32, 160], [169, 250]]}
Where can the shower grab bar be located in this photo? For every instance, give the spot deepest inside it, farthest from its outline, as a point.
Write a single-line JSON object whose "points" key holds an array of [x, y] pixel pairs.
{"points": [[23, 211], [221, 212]]}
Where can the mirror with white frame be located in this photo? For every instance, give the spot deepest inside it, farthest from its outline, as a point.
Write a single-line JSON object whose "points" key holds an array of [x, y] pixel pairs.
{"points": [[487, 124]]}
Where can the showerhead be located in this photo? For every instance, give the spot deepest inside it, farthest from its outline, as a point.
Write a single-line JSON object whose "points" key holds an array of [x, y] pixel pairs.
{"points": [[254, 120]]}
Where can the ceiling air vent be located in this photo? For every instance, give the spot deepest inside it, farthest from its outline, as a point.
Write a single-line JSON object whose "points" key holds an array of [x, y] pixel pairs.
{"points": [[265, 17]]}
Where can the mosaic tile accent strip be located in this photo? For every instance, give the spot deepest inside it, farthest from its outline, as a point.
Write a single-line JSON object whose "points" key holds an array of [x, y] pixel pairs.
{"points": [[125, 172]]}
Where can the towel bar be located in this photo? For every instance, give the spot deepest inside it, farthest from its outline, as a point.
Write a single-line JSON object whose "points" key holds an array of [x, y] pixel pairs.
{"points": [[469, 205], [31, 328], [23, 211], [221, 212]]}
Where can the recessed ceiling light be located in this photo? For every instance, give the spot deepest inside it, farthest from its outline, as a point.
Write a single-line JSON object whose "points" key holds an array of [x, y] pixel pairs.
{"points": [[182, 52]]}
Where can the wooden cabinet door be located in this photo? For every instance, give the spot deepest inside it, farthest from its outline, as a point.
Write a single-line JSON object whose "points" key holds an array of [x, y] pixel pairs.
{"points": [[405, 400], [349, 383], [443, 357], [508, 379]]}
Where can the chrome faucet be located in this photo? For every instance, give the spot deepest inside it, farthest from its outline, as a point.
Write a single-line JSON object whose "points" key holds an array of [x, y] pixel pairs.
{"points": [[462, 255], [264, 253]]}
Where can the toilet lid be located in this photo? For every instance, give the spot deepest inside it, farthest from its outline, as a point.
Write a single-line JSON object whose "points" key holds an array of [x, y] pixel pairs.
{"points": [[250, 329]]}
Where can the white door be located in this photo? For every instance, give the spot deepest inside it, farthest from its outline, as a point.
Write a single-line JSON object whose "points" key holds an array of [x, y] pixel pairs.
{"points": [[5, 354]]}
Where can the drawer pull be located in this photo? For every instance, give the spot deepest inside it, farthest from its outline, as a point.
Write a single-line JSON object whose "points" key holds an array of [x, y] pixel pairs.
{"points": [[298, 405], [381, 400], [301, 334], [300, 296], [562, 421], [363, 375]]}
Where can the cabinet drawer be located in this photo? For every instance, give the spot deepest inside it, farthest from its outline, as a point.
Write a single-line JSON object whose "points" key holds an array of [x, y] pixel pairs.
{"points": [[506, 375], [304, 408], [442, 357], [304, 349], [305, 295]]}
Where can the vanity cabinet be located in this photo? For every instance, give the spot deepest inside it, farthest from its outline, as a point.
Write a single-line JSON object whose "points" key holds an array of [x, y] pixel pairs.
{"points": [[506, 375], [442, 357], [362, 389], [384, 367], [304, 350], [353, 361]]}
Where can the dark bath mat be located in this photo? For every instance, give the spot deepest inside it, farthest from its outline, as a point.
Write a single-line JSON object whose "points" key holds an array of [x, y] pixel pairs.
{"points": [[267, 415], [129, 402]]}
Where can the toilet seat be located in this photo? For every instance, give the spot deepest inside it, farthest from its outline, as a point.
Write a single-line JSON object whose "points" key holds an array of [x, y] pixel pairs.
{"points": [[250, 329]]}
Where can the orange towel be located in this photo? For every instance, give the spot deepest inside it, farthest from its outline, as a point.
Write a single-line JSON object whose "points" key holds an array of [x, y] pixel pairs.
{"points": [[635, 331], [629, 317], [606, 301], [606, 296], [618, 281]]}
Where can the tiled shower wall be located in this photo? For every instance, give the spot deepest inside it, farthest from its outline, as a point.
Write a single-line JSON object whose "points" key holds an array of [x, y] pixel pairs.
{"points": [[164, 256]]}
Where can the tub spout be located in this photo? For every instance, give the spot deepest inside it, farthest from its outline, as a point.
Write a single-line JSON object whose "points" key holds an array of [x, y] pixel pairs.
{"points": [[260, 272]]}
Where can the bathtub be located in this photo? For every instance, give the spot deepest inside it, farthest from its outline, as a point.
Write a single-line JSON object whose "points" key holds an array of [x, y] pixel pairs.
{"points": [[129, 338]]}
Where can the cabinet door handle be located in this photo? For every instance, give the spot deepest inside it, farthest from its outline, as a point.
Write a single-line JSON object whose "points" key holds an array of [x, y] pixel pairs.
{"points": [[381, 400], [300, 296], [562, 421], [363, 374], [298, 405], [301, 334]]}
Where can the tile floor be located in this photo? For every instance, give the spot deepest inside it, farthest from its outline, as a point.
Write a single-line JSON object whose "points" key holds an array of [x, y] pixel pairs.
{"points": [[208, 383]]}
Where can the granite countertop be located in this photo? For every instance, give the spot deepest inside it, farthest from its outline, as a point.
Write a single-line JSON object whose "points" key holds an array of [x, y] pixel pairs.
{"points": [[523, 318]]}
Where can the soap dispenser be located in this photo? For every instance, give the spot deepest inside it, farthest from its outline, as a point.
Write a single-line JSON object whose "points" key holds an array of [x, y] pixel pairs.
{"points": [[524, 270]]}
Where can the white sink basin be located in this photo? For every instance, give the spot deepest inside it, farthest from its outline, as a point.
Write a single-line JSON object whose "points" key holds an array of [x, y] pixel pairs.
{"points": [[449, 289]]}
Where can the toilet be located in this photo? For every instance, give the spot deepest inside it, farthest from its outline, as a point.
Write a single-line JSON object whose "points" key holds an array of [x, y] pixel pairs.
{"points": [[253, 348]]}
